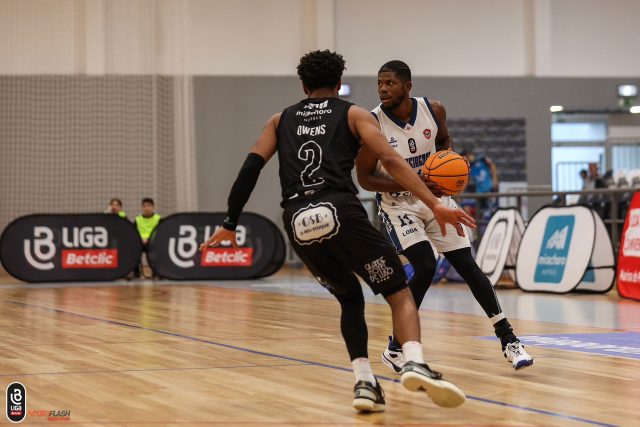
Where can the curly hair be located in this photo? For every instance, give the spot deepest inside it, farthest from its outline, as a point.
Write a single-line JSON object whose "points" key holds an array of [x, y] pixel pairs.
{"points": [[401, 69], [321, 69]]}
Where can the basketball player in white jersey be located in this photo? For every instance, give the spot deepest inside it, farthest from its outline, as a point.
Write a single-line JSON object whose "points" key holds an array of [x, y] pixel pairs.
{"points": [[416, 128]]}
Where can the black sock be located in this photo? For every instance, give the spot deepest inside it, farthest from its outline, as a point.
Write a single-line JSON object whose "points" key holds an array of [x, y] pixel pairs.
{"points": [[394, 343], [504, 331]]}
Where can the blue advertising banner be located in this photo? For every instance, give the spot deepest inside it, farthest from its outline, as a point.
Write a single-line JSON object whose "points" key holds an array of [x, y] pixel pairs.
{"points": [[554, 249]]}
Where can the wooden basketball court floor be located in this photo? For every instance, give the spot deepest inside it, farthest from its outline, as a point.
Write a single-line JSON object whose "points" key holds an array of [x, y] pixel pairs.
{"points": [[269, 352]]}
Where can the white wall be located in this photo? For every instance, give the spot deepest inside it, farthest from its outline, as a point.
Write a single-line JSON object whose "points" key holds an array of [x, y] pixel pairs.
{"points": [[37, 36], [595, 38], [437, 38], [581, 38]]}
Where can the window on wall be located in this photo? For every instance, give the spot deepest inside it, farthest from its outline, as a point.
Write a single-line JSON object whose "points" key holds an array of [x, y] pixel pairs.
{"points": [[578, 140], [609, 139]]}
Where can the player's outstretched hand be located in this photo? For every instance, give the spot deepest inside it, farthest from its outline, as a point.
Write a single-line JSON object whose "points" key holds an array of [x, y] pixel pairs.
{"points": [[455, 217], [219, 236]]}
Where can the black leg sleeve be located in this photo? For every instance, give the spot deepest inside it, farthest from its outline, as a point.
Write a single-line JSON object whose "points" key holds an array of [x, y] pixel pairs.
{"points": [[352, 323], [423, 262], [478, 282]]}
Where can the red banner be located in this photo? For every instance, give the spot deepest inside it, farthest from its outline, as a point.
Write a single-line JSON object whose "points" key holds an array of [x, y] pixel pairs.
{"points": [[90, 258], [227, 257], [629, 257]]}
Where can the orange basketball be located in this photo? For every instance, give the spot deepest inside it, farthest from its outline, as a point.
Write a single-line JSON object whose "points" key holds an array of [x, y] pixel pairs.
{"points": [[449, 170]]}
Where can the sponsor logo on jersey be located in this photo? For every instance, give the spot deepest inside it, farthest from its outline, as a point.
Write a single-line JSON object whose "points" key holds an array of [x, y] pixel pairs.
{"points": [[393, 142], [427, 133], [315, 223], [318, 106], [314, 111], [412, 145], [378, 270], [417, 161], [554, 249]]}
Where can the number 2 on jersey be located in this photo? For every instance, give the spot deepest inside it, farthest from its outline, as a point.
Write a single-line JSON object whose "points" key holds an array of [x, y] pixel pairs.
{"points": [[310, 153]]}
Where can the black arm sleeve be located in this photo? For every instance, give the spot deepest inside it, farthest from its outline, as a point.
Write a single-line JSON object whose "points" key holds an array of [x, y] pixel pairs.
{"points": [[242, 188]]}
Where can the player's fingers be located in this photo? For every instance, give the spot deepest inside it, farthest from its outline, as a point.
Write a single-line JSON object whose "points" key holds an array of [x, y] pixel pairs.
{"points": [[443, 229], [466, 219], [234, 243]]}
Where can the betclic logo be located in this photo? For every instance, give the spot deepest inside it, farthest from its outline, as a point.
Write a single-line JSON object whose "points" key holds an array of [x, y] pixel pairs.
{"points": [[83, 247], [183, 249]]}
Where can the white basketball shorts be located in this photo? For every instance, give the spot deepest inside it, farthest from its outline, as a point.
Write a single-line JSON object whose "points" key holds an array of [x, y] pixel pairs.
{"points": [[409, 221]]}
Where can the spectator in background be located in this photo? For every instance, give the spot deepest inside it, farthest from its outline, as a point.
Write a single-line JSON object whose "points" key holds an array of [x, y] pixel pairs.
{"points": [[146, 223], [484, 178], [115, 207], [484, 173], [587, 182]]}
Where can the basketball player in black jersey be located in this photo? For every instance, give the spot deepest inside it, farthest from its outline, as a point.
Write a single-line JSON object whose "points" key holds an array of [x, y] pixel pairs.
{"points": [[397, 106], [317, 140]]}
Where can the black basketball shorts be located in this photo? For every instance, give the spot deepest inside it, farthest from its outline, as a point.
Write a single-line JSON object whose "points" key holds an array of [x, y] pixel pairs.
{"points": [[332, 235]]}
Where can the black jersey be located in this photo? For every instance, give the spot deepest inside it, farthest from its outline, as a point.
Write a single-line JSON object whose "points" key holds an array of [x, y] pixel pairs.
{"points": [[316, 148]]}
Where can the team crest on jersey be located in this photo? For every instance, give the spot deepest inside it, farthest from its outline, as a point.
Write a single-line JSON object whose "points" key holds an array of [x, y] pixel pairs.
{"points": [[412, 145], [427, 133]]}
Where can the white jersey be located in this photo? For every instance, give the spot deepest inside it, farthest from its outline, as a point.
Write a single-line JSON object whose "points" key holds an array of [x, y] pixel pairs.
{"points": [[407, 219], [414, 140]]}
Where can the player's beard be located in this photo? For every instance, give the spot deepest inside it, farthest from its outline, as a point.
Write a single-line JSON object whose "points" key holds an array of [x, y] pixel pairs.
{"points": [[395, 103]]}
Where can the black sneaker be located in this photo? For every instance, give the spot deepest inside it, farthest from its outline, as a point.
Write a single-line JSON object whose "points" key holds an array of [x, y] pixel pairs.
{"points": [[367, 397], [418, 376]]}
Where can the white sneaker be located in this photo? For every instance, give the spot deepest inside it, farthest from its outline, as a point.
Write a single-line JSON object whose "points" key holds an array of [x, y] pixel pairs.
{"points": [[419, 377], [517, 355], [393, 357], [367, 397]]}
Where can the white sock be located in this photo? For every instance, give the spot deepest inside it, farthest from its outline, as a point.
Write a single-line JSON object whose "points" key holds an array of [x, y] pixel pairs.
{"points": [[498, 317], [412, 351], [362, 370]]}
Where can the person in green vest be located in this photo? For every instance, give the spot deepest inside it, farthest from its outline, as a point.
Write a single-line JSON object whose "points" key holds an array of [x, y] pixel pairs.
{"points": [[146, 223], [115, 207]]}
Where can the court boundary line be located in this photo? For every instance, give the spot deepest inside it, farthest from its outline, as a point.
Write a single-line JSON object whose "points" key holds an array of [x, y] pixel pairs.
{"points": [[302, 361]]}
